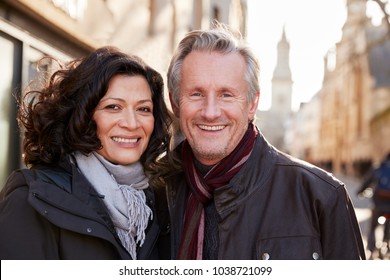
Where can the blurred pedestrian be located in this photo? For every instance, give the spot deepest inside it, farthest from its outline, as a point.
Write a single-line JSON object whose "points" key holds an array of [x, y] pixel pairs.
{"points": [[377, 184]]}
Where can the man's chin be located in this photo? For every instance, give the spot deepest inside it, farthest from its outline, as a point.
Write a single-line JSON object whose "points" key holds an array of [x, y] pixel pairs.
{"points": [[210, 155]]}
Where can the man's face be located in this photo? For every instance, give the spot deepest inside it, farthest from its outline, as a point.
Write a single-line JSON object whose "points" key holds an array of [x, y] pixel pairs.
{"points": [[213, 107]]}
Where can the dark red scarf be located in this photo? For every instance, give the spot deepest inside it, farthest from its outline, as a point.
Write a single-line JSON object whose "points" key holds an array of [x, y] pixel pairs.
{"points": [[202, 189]]}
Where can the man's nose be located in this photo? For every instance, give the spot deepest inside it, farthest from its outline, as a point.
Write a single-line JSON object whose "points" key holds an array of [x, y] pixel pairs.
{"points": [[211, 109]]}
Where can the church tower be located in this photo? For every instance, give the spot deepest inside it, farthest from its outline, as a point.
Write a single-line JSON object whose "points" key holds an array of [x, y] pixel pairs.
{"points": [[282, 82], [280, 110]]}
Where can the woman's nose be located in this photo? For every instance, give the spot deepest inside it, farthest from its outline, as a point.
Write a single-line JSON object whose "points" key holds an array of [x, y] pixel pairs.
{"points": [[129, 120]]}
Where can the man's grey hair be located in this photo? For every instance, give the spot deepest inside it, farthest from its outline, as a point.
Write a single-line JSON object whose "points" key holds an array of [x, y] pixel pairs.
{"points": [[219, 39]]}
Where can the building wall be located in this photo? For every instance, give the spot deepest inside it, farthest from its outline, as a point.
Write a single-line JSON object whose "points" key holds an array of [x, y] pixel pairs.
{"points": [[354, 120], [24, 39]]}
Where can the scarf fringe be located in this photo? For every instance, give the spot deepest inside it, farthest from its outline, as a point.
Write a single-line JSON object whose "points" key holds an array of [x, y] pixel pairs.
{"points": [[126, 203], [138, 214]]}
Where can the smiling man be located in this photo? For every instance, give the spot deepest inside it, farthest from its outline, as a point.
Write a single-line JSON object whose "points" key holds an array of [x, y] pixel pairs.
{"points": [[237, 197], [213, 104]]}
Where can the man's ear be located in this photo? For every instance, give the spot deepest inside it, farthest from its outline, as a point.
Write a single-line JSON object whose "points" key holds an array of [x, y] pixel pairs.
{"points": [[253, 106], [175, 109]]}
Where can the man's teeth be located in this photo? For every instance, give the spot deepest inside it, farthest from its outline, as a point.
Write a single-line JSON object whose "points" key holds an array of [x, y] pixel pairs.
{"points": [[213, 128], [124, 140]]}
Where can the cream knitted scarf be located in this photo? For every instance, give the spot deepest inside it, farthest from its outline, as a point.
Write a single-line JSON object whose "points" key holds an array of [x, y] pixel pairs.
{"points": [[122, 188]]}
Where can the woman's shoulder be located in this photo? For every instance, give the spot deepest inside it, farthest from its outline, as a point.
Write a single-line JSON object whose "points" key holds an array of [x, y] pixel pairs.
{"points": [[15, 181], [58, 175]]}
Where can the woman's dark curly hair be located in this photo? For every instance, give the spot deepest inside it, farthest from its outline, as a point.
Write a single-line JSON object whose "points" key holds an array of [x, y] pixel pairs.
{"points": [[58, 119]]}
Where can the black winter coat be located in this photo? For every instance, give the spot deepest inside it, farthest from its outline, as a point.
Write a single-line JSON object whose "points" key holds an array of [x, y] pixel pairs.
{"points": [[55, 213], [276, 207]]}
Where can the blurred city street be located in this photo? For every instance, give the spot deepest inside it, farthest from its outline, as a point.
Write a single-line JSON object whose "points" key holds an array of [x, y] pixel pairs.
{"points": [[323, 87]]}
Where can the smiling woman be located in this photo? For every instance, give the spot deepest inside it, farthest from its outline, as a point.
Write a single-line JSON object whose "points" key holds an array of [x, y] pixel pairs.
{"points": [[93, 137], [125, 121]]}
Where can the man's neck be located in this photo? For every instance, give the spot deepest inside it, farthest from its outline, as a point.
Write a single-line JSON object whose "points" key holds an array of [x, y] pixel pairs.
{"points": [[203, 169]]}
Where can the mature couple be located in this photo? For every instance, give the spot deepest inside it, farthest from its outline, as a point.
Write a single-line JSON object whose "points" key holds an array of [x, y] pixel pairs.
{"points": [[97, 186]]}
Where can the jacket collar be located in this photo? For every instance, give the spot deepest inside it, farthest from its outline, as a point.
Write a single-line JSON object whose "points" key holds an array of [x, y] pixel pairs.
{"points": [[253, 175]]}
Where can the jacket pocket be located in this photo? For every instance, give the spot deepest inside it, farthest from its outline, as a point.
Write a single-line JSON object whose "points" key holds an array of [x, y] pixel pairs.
{"points": [[289, 248]]}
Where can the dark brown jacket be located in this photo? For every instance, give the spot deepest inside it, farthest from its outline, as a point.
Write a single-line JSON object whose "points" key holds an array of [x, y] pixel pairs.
{"points": [[276, 207]]}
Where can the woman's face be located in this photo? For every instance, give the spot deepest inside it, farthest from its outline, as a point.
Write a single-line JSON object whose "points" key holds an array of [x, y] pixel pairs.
{"points": [[124, 118]]}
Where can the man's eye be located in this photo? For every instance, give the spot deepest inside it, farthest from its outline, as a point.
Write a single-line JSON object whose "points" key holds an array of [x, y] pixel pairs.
{"points": [[196, 94], [226, 94]]}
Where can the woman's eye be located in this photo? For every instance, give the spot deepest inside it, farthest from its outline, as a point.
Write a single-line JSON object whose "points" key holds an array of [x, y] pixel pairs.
{"points": [[145, 109], [112, 107]]}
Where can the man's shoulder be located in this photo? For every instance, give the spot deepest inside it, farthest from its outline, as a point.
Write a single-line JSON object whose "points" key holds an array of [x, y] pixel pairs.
{"points": [[305, 170]]}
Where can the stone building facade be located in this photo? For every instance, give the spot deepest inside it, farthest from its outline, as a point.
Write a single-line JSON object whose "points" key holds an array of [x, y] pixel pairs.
{"points": [[354, 127]]}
